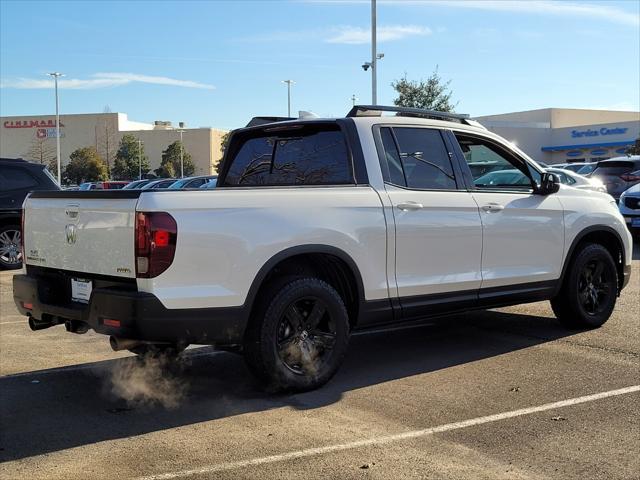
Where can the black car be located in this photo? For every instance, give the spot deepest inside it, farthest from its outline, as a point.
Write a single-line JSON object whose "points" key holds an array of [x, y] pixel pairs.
{"points": [[17, 178]]}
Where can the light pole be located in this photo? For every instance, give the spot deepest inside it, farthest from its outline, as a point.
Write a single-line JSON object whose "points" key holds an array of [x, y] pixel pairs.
{"points": [[289, 83], [181, 131], [375, 56], [354, 99], [139, 159], [55, 76]]}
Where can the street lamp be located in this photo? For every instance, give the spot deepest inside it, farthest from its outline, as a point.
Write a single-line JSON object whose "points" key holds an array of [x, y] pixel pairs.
{"points": [[354, 99], [55, 76], [289, 83], [140, 159], [181, 131], [374, 56]]}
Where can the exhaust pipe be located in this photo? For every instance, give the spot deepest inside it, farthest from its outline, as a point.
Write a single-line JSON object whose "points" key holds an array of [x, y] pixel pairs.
{"points": [[35, 324], [75, 326], [118, 343]]}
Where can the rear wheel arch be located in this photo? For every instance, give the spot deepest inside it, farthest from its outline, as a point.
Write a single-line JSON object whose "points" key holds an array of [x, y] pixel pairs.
{"points": [[328, 263]]}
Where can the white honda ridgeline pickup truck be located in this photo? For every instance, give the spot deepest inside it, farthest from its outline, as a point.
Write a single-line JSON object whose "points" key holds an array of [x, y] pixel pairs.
{"points": [[318, 228]]}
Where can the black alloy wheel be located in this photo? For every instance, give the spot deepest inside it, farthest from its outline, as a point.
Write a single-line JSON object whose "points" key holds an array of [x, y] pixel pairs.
{"points": [[298, 335], [588, 294], [306, 334]]}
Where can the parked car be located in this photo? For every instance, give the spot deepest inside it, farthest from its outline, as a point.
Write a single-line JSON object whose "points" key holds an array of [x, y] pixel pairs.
{"points": [[582, 168], [630, 208], [587, 168], [618, 174], [110, 185], [158, 184], [136, 184], [210, 184], [17, 178], [575, 180], [284, 272], [192, 182]]}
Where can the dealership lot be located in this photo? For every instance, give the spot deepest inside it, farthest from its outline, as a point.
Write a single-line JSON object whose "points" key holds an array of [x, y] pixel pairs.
{"points": [[67, 408]]}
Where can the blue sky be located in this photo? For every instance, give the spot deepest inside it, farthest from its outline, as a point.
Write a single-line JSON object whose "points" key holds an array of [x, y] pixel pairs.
{"points": [[218, 63]]}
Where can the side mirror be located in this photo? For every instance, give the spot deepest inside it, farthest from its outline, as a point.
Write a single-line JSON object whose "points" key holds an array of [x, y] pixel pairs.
{"points": [[549, 184]]}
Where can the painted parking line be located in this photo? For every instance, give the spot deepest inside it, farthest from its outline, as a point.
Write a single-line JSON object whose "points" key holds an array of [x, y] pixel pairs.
{"points": [[311, 452], [9, 323]]}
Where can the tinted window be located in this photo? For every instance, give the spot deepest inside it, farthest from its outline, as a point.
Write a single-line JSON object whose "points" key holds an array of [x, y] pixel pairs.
{"points": [[396, 175], [296, 157], [12, 178], [420, 157], [494, 167]]}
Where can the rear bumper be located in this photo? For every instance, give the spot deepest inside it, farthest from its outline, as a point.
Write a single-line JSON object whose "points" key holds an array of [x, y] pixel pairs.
{"points": [[629, 220], [141, 315]]}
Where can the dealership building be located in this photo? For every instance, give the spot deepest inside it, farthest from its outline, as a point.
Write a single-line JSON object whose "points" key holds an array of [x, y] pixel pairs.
{"points": [[34, 138], [562, 135]]}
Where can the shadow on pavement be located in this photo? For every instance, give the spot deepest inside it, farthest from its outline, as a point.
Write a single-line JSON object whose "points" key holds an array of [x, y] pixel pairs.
{"points": [[71, 408]]}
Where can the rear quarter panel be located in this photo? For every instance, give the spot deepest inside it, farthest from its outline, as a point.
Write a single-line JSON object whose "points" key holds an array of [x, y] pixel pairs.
{"points": [[225, 236]]}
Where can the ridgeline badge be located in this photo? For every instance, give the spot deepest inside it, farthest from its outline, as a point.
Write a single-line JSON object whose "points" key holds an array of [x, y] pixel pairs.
{"points": [[71, 233]]}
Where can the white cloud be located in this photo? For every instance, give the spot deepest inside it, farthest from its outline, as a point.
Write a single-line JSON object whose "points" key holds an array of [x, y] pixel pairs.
{"points": [[100, 80], [358, 35], [598, 11]]}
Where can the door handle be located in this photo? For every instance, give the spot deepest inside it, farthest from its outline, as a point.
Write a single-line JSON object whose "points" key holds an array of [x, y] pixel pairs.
{"points": [[407, 206], [492, 207]]}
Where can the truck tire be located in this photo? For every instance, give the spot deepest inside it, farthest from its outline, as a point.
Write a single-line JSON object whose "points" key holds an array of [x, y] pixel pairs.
{"points": [[588, 295], [298, 336], [10, 248]]}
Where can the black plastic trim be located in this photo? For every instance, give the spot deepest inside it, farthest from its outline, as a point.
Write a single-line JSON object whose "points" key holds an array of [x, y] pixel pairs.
{"points": [[579, 237], [355, 146], [142, 315]]}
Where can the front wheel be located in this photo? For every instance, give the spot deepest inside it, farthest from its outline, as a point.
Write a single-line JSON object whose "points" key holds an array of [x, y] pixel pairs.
{"points": [[588, 294], [299, 336]]}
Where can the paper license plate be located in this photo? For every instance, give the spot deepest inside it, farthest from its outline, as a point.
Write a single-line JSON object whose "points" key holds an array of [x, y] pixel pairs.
{"points": [[81, 290], [635, 222]]}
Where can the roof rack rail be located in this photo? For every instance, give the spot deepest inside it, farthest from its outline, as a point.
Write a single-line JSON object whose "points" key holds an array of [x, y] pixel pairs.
{"points": [[376, 111], [255, 121]]}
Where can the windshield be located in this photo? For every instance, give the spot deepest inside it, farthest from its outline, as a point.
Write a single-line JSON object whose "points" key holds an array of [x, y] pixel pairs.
{"points": [[180, 183]]}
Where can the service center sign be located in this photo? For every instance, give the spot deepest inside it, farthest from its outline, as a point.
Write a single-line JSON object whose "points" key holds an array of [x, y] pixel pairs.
{"points": [[597, 133]]}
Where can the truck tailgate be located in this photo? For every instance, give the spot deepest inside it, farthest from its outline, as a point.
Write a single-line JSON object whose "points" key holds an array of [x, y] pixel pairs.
{"points": [[87, 232]]}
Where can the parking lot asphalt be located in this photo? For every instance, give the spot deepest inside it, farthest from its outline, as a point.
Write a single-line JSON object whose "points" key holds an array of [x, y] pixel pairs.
{"points": [[504, 393]]}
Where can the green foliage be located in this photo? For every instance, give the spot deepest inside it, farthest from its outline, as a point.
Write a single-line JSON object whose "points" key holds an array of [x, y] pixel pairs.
{"points": [[432, 94], [634, 149], [126, 165], [85, 165], [170, 165]]}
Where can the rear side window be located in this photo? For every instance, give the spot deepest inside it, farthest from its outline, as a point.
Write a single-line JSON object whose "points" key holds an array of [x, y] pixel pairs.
{"points": [[613, 168], [418, 158], [306, 156], [12, 178]]}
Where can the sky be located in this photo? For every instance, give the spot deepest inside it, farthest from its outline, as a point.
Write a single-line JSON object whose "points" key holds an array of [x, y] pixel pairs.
{"points": [[219, 63]]}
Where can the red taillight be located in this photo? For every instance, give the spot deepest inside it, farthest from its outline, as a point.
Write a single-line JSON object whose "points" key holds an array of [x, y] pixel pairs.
{"points": [[156, 234], [111, 323], [28, 306], [630, 177]]}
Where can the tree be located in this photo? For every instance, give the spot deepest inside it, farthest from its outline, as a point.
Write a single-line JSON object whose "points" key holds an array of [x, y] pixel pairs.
{"points": [[106, 142], [170, 165], [85, 165], [126, 165], [41, 151], [635, 148], [432, 94]]}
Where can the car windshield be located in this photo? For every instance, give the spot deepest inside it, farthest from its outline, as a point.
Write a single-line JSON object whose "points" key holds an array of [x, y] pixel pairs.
{"points": [[85, 186], [586, 169], [180, 183]]}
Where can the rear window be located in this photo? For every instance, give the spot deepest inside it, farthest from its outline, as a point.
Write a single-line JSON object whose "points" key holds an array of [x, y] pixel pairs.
{"points": [[307, 156], [614, 168], [12, 178]]}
